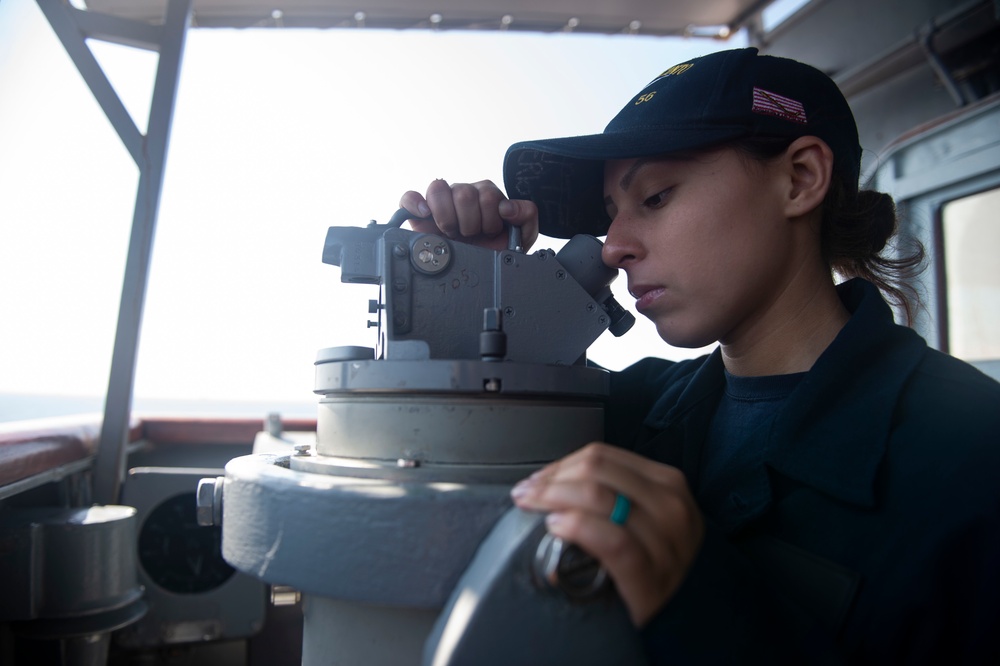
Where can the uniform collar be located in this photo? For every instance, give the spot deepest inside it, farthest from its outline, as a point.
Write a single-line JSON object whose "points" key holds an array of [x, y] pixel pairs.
{"points": [[833, 431]]}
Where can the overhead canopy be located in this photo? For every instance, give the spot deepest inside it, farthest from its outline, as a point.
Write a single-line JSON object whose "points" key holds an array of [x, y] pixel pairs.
{"points": [[648, 17]]}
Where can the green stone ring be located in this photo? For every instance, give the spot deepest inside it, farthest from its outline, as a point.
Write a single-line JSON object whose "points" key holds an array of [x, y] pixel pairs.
{"points": [[622, 508]]}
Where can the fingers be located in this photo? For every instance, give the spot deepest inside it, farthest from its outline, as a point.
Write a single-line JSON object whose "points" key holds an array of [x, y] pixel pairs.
{"points": [[472, 212], [645, 580], [415, 203], [443, 208], [590, 505], [521, 213], [650, 553]]}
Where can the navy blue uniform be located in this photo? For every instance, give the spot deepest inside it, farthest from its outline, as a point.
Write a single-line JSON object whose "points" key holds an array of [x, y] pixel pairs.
{"points": [[868, 531]]}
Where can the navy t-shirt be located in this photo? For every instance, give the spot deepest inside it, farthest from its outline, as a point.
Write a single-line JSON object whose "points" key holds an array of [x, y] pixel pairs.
{"points": [[732, 463]]}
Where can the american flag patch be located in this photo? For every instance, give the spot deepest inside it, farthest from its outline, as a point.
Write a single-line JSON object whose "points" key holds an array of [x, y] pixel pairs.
{"points": [[772, 104]]}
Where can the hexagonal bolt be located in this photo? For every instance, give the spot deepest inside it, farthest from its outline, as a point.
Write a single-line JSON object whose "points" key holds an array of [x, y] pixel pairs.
{"points": [[209, 501]]}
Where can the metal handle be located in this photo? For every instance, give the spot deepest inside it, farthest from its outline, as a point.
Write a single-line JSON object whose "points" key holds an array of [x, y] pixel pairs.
{"points": [[568, 568]]}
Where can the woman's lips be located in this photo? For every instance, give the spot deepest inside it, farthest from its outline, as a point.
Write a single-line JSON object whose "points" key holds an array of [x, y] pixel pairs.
{"points": [[645, 296]]}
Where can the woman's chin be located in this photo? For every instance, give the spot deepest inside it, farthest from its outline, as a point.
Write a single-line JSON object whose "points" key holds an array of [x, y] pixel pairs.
{"points": [[686, 339]]}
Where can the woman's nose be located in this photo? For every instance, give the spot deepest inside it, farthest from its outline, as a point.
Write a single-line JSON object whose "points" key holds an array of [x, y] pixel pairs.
{"points": [[620, 247]]}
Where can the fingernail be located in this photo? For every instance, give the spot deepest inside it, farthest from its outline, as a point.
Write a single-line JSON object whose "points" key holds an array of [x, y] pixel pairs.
{"points": [[507, 208], [521, 489], [423, 209], [553, 520]]}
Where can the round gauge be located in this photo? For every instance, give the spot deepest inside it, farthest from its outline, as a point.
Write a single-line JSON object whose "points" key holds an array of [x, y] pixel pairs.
{"points": [[178, 554]]}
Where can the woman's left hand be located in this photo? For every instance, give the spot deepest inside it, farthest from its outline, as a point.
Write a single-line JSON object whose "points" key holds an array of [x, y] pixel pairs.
{"points": [[649, 554]]}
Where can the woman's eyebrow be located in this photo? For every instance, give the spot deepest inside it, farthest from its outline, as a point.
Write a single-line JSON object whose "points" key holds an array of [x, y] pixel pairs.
{"points": [[629, 175], [642, 162]]}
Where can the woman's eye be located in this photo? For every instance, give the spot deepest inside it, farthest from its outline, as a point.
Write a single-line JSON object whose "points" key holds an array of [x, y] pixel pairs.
{"points": [[657, 199]]}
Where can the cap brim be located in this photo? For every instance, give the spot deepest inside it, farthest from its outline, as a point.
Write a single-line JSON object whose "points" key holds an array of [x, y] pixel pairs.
{"points": [[565, 176]]}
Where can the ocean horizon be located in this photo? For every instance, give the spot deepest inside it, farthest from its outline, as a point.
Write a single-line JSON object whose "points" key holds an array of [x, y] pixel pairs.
{"points": [[25, 406]]}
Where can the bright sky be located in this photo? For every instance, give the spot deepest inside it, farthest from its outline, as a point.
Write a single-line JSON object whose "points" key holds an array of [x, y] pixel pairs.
{"points": [[278, 134]]}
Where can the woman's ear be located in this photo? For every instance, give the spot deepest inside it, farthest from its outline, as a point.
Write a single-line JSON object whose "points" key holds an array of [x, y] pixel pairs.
{"points": [[810, 167]]}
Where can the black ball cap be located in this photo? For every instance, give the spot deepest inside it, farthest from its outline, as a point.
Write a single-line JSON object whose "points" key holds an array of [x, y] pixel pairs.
{"points": [[708, 101]]}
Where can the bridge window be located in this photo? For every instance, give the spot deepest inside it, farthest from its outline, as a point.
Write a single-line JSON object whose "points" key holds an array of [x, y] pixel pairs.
{"points": [[780, 11], [971, 236]]}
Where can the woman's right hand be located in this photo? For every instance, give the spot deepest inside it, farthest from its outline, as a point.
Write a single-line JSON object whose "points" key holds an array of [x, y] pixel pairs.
{"points": [[473, 213], [650, 550]]}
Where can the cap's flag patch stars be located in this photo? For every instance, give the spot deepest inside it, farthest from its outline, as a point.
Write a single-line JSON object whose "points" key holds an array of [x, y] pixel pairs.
{"points": [[772, 104]]}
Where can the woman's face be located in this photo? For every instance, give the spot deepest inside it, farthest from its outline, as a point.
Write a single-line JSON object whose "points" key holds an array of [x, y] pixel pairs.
{"points": [[704, 240]]}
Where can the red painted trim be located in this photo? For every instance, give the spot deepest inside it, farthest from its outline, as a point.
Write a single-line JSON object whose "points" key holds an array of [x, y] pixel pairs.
{"points": [[32, 447], [193, 431]]}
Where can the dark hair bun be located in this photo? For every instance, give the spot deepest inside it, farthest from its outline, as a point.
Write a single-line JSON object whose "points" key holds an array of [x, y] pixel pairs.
{"points": [[879, 215], [856, 229]]}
